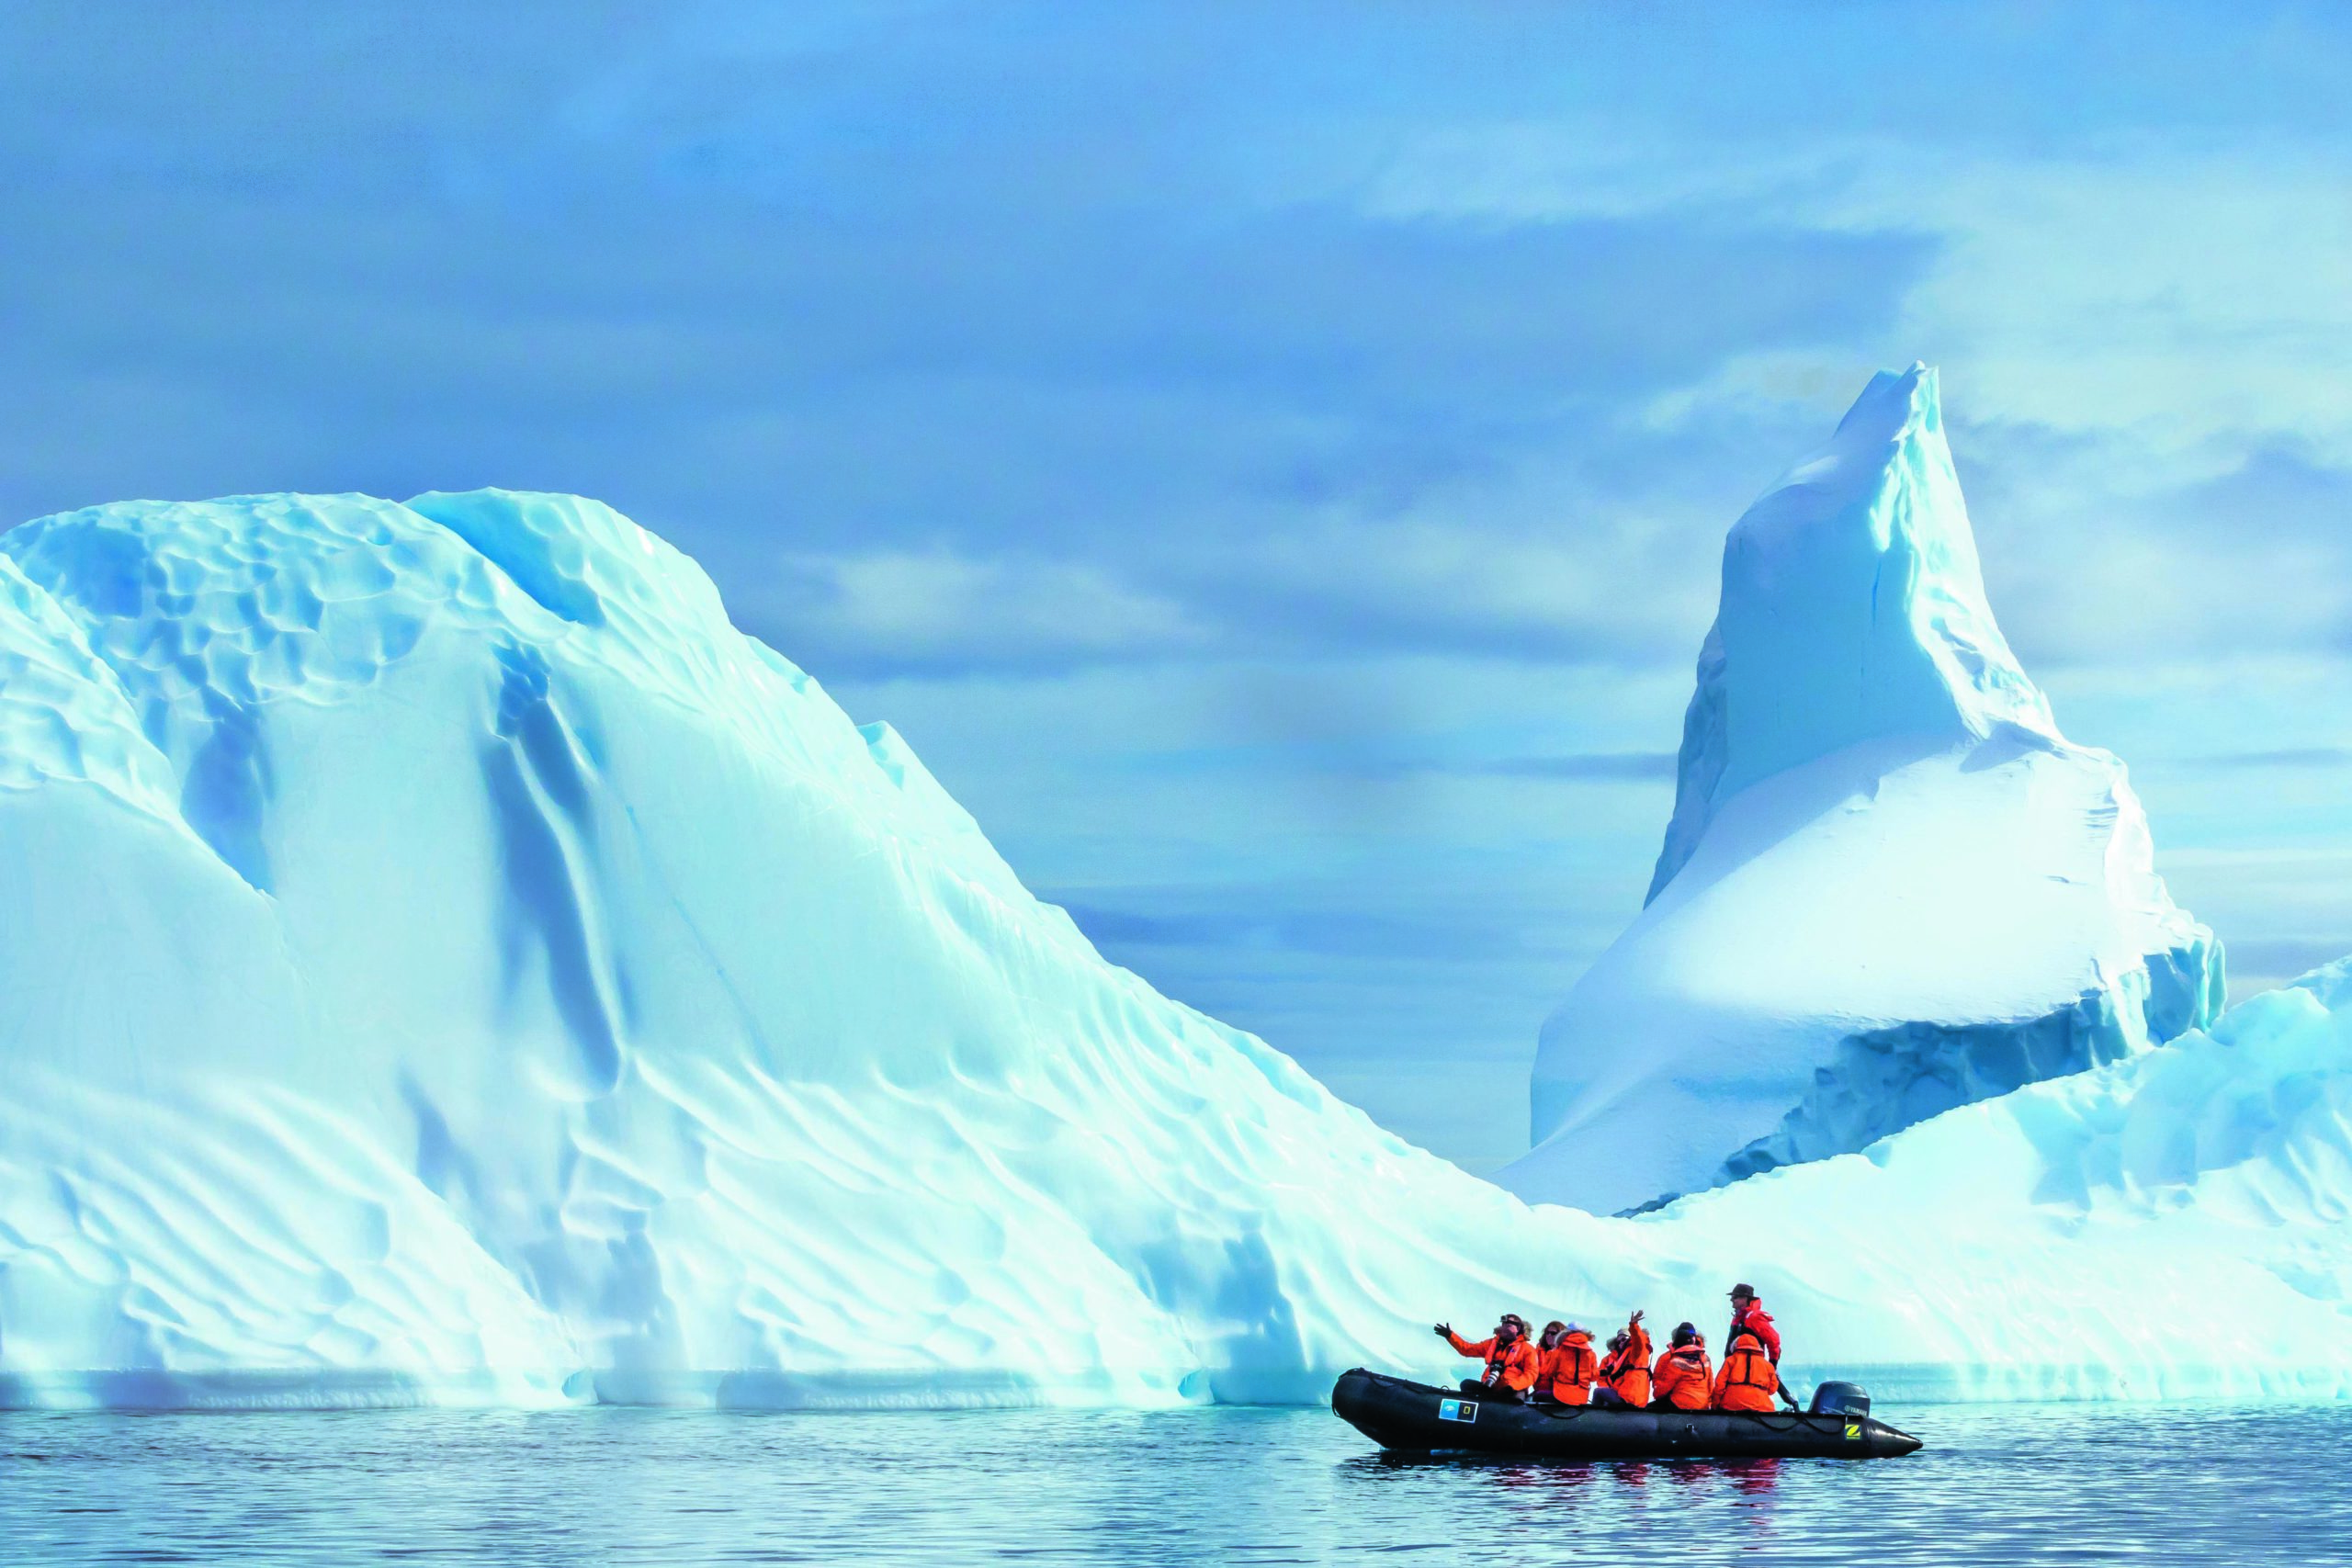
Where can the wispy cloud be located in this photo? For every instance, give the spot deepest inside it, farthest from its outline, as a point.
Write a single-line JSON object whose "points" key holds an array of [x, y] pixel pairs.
{"points": [[1607, 765], [2290, 757], [894, 611]]}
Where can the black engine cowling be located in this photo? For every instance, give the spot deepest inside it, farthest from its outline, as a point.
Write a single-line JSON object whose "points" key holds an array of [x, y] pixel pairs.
{"points": [[1841, 1399]]}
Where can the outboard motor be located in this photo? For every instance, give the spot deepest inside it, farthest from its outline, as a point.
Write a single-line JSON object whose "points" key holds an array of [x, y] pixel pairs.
{"points": [[1848, 1399]]}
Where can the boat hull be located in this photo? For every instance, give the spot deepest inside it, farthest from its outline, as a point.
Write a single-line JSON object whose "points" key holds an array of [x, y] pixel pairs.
{"points": [[1412, 1417]]}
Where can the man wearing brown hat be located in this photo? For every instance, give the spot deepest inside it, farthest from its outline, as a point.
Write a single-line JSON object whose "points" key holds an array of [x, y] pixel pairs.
{"points": [[1511, 1361], [1748, 1316]]}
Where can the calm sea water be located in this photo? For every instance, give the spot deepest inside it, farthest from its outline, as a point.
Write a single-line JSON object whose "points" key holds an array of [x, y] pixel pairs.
{"points": [[2067, 1483]]}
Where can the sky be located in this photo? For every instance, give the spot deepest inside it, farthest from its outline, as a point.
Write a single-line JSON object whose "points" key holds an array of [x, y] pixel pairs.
{"points": [[1270, 459]]}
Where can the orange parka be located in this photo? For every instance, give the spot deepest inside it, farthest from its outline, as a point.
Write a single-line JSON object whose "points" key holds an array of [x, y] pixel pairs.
{"points": [[1511, 1366], [1569, 1368], [1628, 1371], [1682, 1377], [1749, 1381]]}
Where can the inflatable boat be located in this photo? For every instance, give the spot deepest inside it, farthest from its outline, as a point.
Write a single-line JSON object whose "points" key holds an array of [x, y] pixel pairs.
{"points": [[1413, 1417]]}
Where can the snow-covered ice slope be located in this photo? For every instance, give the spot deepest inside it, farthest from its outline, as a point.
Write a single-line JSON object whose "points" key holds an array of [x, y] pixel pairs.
{"points": [[2121, 1232], [443, 960], [1890, 886]]}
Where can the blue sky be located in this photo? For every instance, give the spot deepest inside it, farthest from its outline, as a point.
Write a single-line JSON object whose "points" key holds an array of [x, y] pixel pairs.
{"points": [[1270, 459]]}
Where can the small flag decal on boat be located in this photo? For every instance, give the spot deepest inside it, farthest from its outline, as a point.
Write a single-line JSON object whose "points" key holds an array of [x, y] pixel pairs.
{"points": [[1457, 1410]]}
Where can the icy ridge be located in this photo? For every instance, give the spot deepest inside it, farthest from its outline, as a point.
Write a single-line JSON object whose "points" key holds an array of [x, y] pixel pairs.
{"points": [[63, 716]]}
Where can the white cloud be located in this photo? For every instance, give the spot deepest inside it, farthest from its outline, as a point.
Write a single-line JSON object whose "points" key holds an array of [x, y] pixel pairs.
{"points": [[915, 608], [1614, 587]]}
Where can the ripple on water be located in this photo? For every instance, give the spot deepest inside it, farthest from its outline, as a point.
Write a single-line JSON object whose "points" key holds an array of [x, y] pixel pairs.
{"points": [[2039, 1484]]}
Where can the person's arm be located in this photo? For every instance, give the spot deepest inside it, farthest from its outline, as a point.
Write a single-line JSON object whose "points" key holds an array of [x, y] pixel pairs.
{"points": [[1786, 1397], [1461, 1345]]}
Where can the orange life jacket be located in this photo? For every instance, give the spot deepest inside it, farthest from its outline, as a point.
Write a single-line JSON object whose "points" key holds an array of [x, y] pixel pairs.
{"points": [[1682, 1377], [1748, 1380], [1569, 1367], [1512, 1366], [1628, 1371]]}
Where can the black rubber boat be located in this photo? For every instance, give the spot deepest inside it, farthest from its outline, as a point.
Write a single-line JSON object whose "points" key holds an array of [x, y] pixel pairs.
{"points": [[1413, 1417]]}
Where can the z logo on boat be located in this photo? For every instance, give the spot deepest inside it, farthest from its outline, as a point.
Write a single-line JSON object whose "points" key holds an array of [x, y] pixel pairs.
{"points": [[1457, 1410]]}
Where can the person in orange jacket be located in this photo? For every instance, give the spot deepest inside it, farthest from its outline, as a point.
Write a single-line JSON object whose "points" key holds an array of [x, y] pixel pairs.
{"points": [[1511, 1362], [1682, 1380], [1748, 1379], [1625, 1374], [1570, 1365], [1545, 1343], [1748, 1316]]}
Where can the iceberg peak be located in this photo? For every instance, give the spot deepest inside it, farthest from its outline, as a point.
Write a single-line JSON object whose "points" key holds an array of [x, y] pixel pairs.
{"points": [[1890, 885], [1854, 609], [1894, 403]]}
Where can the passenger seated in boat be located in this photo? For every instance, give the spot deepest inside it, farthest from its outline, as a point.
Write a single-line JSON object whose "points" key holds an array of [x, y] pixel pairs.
{"points": [[1625, 1373], [1749, 1380], [1682, 1380], [1511, 1362], [1545, 1343], [1566, 1372]]}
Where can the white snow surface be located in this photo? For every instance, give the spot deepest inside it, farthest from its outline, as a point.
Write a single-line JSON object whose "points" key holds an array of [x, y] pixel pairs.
{"points": [[447, 962], [1890, 886]]}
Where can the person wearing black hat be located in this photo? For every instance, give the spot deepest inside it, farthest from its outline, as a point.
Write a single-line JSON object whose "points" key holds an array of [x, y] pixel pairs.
{"points": [[1682, 1380], [1748, 1316]]}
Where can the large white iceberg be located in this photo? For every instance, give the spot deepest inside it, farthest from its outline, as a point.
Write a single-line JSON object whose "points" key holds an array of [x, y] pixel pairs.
{"points": [[443, 960], [1890, 886]]}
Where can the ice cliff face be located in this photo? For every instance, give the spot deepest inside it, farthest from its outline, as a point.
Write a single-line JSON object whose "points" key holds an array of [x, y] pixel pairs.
{"points": [[1890, 886], [443, 960]]}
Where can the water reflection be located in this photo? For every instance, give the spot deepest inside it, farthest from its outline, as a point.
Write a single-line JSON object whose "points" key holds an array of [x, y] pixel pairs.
{"points": [[1750, 1477], [1733, 1499], [1994, 1486]]}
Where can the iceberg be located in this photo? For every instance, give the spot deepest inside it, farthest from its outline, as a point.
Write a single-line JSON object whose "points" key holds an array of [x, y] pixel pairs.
{"points": [[447, 962], [1890, 886]]}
